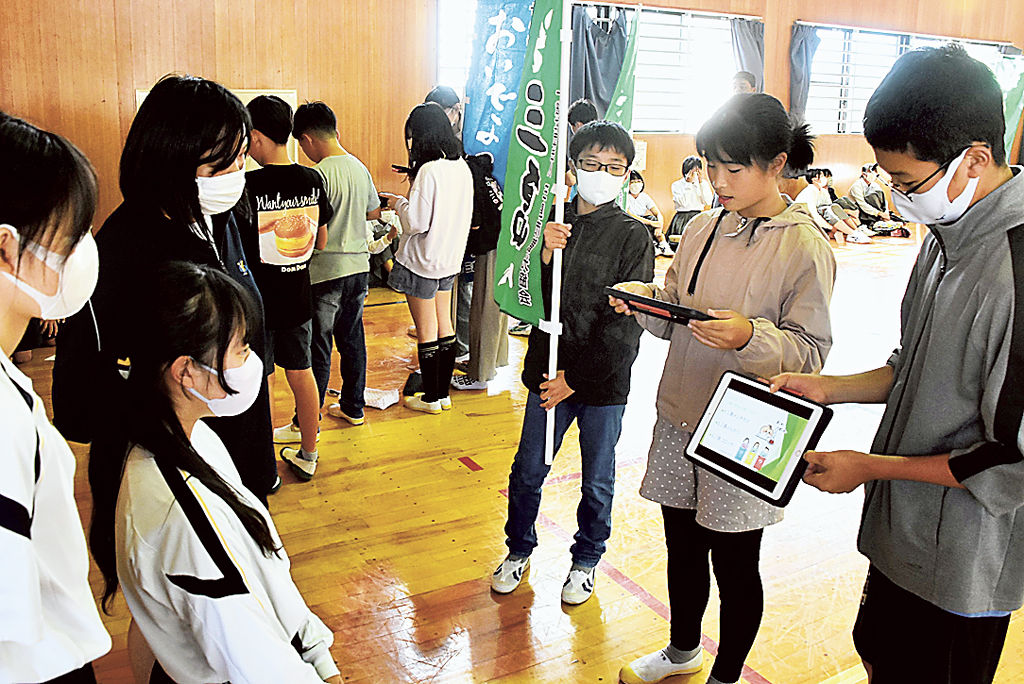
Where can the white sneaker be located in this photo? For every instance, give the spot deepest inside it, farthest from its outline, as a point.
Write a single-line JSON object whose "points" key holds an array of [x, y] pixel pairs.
{"points": [[579, 586], [417, 404], [287, 434], [462, 358], [446, 403], [335, 410], [302, 468], [464, 382], [656, 666], [509, 574], [858, 238]]}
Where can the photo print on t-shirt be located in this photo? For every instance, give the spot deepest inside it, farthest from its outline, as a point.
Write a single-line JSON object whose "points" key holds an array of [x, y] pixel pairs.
{"points": [[287, 235]]}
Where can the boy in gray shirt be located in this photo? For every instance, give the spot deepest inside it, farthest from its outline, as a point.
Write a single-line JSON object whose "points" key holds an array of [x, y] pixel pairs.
{"points": [[944, 485]]}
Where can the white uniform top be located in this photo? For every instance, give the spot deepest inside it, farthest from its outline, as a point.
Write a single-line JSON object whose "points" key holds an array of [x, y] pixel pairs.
{"points": [[687, 196], [436, 219], [212, 607], [49, 624]]}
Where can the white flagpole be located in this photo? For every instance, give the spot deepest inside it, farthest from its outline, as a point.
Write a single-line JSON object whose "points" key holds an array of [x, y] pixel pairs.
{"points": [[561, 194]]}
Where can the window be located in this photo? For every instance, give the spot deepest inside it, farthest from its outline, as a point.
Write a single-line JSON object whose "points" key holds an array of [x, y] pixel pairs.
{"points": [[684, 70], [684, 64], [850, 63], [455, 21]]}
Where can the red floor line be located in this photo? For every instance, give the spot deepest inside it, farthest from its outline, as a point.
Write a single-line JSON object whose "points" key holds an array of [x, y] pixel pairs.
{"points": [[470, 463], [645, 597]]}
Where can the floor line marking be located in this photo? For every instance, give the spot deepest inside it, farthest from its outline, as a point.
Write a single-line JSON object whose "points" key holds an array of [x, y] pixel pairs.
{"points": [[470, 463]]}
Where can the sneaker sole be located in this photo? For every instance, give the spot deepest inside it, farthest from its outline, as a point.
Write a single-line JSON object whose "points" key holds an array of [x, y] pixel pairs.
{"points": [[347, 418], [299, 472], [627, 676]]}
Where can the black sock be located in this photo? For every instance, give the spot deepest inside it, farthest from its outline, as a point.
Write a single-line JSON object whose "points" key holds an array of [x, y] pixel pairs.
{"points": [[429, 357], [447, 351]]}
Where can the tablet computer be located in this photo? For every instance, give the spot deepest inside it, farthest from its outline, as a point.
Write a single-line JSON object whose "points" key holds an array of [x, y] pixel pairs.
{"points": [[755, 439], [657, 308]]}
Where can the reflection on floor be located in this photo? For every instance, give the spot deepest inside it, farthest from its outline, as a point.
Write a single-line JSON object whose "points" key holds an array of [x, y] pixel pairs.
{"points": [[394, 540]]}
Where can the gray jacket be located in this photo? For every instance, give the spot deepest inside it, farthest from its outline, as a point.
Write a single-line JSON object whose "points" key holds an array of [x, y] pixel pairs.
{"points": [[959, 388]]}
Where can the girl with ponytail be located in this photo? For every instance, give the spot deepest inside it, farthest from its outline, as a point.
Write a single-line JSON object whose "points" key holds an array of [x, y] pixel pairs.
{"points": [[194, 551], [763, 270]]}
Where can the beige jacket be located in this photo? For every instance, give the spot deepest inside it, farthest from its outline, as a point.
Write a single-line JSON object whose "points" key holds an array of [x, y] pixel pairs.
{"points": [[778, 273]]}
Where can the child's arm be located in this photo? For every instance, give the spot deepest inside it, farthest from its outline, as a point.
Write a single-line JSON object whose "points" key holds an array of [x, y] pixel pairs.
{"points": [[803, 336], [321, 237], [416, 212]]}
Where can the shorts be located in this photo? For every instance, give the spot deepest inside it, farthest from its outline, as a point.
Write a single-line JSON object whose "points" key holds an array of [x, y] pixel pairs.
{"points": [[291, 348], [905, 638], [408, 283]]}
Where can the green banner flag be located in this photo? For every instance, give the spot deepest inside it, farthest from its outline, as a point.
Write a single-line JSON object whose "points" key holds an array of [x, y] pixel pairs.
{"points": [[1010, 74], [531, 171], [620, 110]]}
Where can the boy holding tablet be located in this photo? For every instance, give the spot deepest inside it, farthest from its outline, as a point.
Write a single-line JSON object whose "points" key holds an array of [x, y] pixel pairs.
{"points": [[602, 245], [944, 484]]}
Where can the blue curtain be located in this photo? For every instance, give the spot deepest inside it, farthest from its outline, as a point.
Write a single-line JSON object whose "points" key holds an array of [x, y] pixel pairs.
{"points": [[597, 56], [748, 48], [802, 46]]}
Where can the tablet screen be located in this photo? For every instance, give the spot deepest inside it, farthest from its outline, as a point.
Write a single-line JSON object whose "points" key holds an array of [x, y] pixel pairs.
{"points": [[754, 434]]}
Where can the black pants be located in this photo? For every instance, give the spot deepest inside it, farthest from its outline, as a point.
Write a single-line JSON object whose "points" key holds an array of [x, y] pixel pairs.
{"points": [[735, 556], [83, 675], [907, 639]]}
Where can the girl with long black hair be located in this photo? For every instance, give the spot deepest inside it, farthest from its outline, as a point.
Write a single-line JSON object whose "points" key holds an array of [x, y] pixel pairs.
{"points": [[767, 271], [194, 551], [181, 177], [50, 629], [436, 221]]}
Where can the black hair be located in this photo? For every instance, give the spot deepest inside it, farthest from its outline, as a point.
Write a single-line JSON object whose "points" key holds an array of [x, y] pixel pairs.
{"points": [[754, 128], [47, 187], [432, 137], [827, 172], [811, 174], [933, 103], [444, 96], [690, 163], [603, 135], [746, 76], [869, 168], [314, 118], [582, 111], [272, 117], [634, 175], [194, 311], [185, 122]]}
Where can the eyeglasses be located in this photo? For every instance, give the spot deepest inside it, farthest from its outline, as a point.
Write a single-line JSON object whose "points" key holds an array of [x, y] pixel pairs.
{"points": [[592, 165], [906, 194]]}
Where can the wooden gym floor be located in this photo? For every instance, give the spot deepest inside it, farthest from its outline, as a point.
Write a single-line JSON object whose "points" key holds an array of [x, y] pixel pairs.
{"points": [[393, 542]]}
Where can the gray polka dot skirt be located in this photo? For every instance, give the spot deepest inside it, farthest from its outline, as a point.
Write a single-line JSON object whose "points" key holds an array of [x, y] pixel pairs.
{"points": [[672, 480]]}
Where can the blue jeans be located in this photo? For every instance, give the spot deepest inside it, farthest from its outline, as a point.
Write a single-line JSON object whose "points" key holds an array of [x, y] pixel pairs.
{"points": [[600, 427], [338, 314]]}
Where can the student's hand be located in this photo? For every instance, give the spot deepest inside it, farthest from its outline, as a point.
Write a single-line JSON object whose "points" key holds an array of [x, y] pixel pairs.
{"points": [[49, 328], [812, 386], [554, 392], [837, 471], [886, 216], [633, 287], [730, 330], [393, 233], [556, 235], [392, 198], [336, 679]]}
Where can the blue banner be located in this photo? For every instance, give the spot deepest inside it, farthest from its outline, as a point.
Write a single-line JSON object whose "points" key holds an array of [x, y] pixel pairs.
{"points": [[499, 54]]}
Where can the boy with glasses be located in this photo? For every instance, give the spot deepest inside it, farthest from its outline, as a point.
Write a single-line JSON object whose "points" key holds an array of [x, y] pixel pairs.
{"points": [[602, 246]]}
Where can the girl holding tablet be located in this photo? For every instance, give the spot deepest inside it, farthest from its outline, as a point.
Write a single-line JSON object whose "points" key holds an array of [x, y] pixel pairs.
{"points": [[195, 552], [767, 272], [50, 629]]}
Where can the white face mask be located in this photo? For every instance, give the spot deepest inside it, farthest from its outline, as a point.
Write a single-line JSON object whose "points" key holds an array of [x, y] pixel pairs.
{"points": [[934, 205], [598, 187], [218, 194], [76, 277], [245, 380], [636, 188]]}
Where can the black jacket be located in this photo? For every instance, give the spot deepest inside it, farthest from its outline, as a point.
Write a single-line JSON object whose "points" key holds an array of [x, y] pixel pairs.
{"points": [[597, 346], [87, 388]]}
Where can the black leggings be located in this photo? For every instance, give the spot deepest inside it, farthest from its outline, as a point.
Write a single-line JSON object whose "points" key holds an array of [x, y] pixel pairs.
{"points": [[735, 557]]}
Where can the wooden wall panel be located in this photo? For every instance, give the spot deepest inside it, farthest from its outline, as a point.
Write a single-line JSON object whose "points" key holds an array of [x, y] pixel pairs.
{"points": [[73, 65]]}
